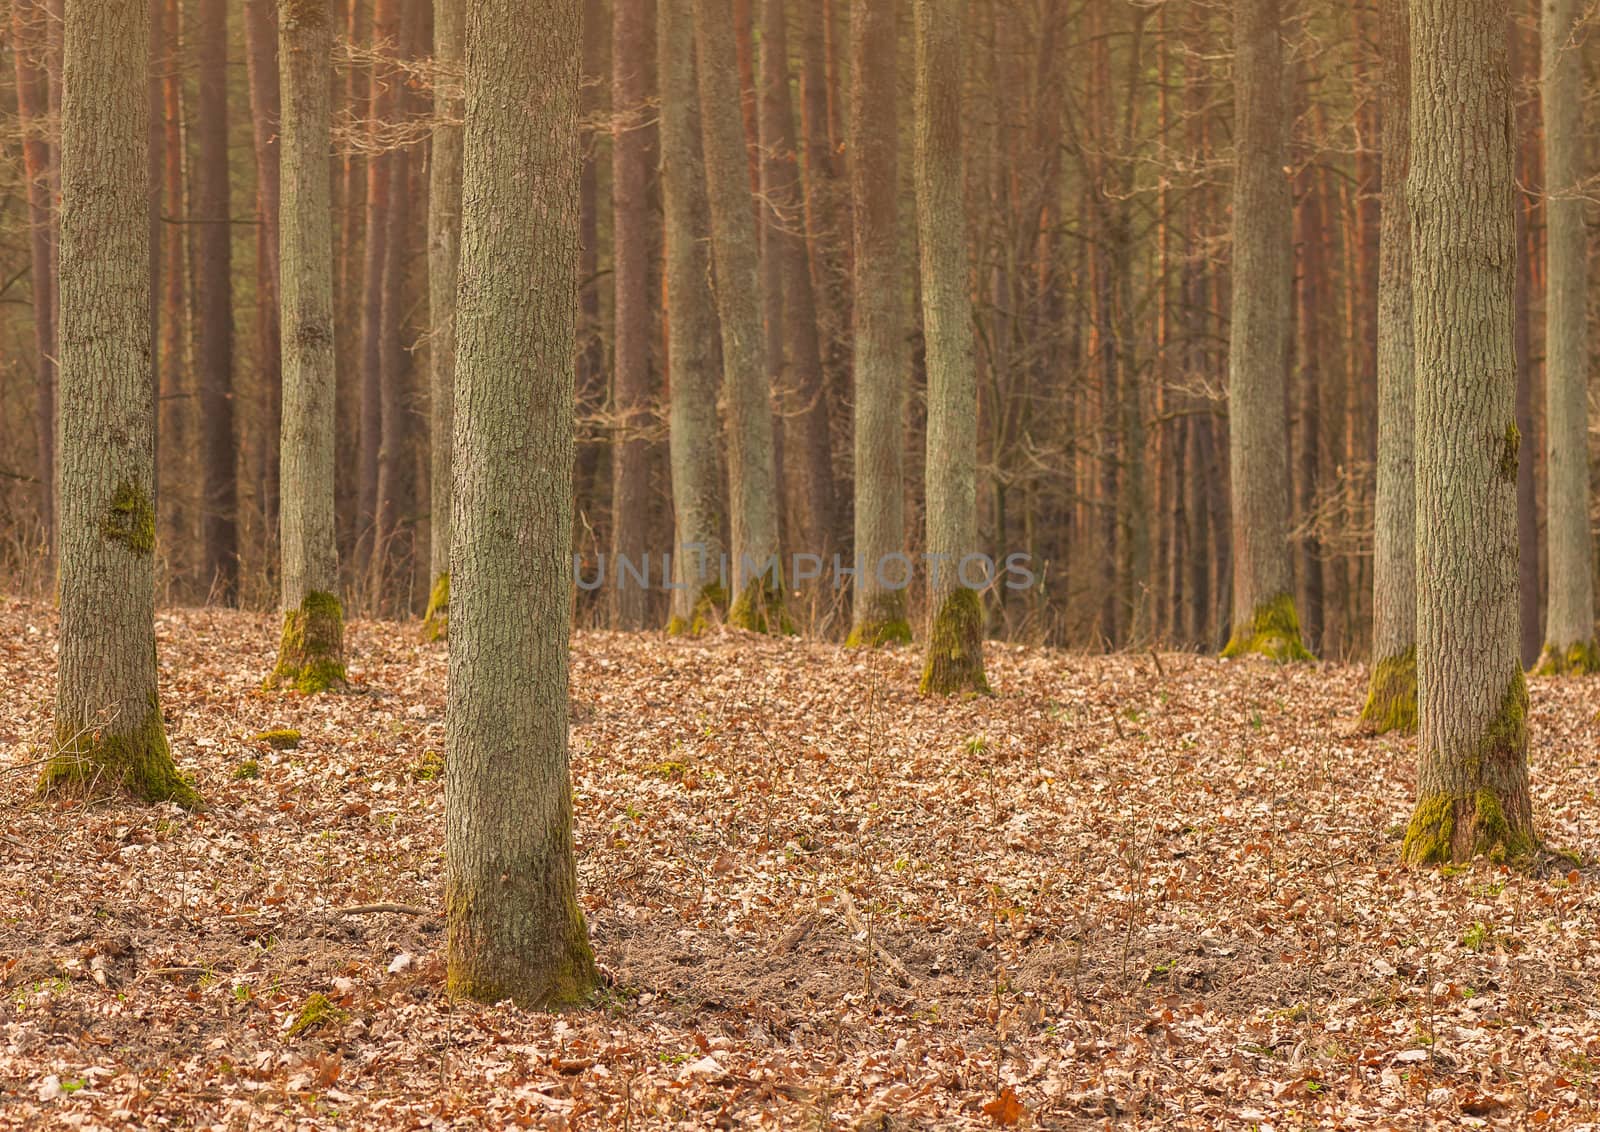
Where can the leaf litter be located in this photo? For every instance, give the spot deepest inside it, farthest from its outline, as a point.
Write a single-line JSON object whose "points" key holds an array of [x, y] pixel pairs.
{"points": [[1127, 890]]}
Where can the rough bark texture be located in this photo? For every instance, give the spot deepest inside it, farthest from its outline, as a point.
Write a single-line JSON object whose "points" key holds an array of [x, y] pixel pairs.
{"points": [[213, 331], [1392, 691], [444, 253], [757, 596], [1472, 787], [955, 638], [311, 653], [881, 339], [632, 157], [28, 20], [1569, 639], [1264, 618], [108, 729], [515, 927], [697, 495], [261, 55]]}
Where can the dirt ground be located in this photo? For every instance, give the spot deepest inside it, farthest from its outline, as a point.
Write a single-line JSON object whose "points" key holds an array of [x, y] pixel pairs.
{"points": [[1130, 891]]}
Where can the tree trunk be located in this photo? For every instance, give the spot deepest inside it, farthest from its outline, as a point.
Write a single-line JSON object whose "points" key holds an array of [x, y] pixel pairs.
{"points": [[881, 338], [444, 254], [633, 155], [693, 359], [1392, 691], [108, 728], [261, 39], [213, 286], [1569, 639], [28, 21], [515, 927], [311, 654], [757, 581], [174, 461], [1264, 618], [955, 605], [1472, 785]]}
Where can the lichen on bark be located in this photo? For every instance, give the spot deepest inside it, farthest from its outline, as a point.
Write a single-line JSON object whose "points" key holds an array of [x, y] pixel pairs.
{"points": [[708, 606], [436, 621], [311, 653], [1273, 631], [955, 648], [1392, 695], [136, 761], [1580, 658], [1454, 828]]}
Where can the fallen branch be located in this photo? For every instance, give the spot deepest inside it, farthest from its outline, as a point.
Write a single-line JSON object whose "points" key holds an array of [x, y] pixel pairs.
{"points": [[373, 909]]}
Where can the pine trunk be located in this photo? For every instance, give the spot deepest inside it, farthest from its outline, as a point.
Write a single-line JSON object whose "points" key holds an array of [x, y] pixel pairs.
{"points": [[1569, 638], [108, 728], [1392, 691], [955, 604], [1472, 785], [515, 926]]}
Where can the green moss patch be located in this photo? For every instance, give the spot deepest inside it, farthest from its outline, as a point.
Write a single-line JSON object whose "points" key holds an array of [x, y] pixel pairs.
{"points": [[1509, 449], [317, 1011], [707, 609], [1392, 695], [436, 621], [760, 609], [130, 519], [1273, 631], [278, 738], [955, 648], [1580, 658], [878, 634], [137, 762], [311, 652]]}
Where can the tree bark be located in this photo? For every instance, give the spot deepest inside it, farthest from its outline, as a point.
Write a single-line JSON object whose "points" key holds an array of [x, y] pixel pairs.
{"points": [[515, 928], [108, 728], [1472, 786], [633, 155], [444, 254], [955, 604], [1392, 690], [213, 285], [1569, 640], [881, 331], [693, 357], [756, 573], [261, 57], [311, 653], [1264, 618]]}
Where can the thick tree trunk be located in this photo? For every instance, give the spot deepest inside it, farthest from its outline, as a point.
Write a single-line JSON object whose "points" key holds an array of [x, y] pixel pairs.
{"points": [[1472, 786], [1569, 638], [755, 571], [444, 254], [213, 285], [1264, 618], [28, 37], [693, 357], [1392, 691], [515, 927], [882, 339], [174, 452], [261, 38], [633, 155], [311, 654], [108, 728], [955, 604], [592, 389]]}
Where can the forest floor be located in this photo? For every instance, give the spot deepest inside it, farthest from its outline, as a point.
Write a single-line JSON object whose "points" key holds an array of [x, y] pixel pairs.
{"points": [[1127, 890]]}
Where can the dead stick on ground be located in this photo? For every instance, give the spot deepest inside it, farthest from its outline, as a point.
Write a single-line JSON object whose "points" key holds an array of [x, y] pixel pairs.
{"points": [[398, 909]]}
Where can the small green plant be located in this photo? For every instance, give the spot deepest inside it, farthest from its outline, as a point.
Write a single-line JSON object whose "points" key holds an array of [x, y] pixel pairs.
{"points": [[975, 745], [317, 1011], [247, 769], [71, 1085], [671, 770], [1478, 937], [279, 738], [429, 768]]}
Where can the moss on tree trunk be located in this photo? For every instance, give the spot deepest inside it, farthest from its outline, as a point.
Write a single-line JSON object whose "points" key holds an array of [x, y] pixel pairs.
{"points": [[1492, 819], [1580, 658], [955, 648], [136, 761], [708, 606], [759, 608], [1392, 695], [877, 631], [311, 653], [1273, 631], [436, 621]]}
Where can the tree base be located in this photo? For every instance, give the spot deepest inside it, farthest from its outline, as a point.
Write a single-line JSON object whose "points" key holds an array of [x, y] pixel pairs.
{"points": [[537, 974], [879, 634], [1273, 631], [436, 621], [1392, 695], [1580, 658], [311, 653], [760, 609], [708, 605], [955, 648], [138, 763]]}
